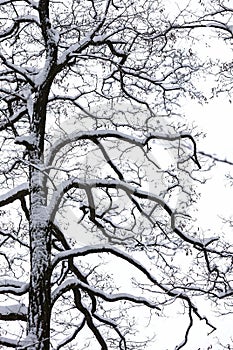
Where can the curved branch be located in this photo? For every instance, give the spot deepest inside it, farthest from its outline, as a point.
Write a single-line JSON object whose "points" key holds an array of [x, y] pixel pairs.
{"points": [[13, 287], [129, 190], [16, 23], [104, 134], [75, 283], [14, 118], [172, 292], [16, 193], [72, 336], [89, 320]]}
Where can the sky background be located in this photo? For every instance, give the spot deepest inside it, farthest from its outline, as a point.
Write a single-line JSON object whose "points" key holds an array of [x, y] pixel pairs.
{"points": [[215, 120]]}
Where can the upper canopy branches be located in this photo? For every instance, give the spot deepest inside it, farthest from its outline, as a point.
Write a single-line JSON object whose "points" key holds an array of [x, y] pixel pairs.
{"points": [[130, 42]]}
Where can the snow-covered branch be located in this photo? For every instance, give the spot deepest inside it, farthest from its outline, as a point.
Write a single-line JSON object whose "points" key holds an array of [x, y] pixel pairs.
{"points": [[75, 283], [121, 70], [10, 343], [174, 293], [216, 158], [13, 312], [13, 287], [17, 69], [110, 134], [75, 48], [14, 118], [16, 23], [16, 193], [207, 23]]}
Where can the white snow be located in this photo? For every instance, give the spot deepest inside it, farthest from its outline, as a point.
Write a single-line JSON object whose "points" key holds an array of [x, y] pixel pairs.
{"points": [[100, 293], [30, 139], [12, 283], [230, 27], [29, 18], [72, 49], [13, 309], [228, 293], [54, 35], [30, 106], [14, 342], [13, 194], [15, 290]]}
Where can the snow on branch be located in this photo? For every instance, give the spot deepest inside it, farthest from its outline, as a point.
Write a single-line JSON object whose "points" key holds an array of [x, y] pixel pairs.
{"points": [[27, 140], [172, 292], [205, 23], [71, 253], [13, 287], [65, 186], [16, 193], [75, 48], [11, 283], [20, 70], [216, 158], [11, 343], [16, 22], [102, 134], [13, 312], [14, 118], [90, 39], [226, 294], [76, 283], [84, 251], [4, 2]]}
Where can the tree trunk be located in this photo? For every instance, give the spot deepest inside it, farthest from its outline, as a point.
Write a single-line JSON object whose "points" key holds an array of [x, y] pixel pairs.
{"points": [[40, 293], [38, 327]]}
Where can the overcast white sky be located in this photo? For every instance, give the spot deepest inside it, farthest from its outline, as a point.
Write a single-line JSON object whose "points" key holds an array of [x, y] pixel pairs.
{"points": [[215, 119]]}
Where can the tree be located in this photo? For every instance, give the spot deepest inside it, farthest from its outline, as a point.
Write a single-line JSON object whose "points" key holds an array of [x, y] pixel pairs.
{"points": [[89, 92]]}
